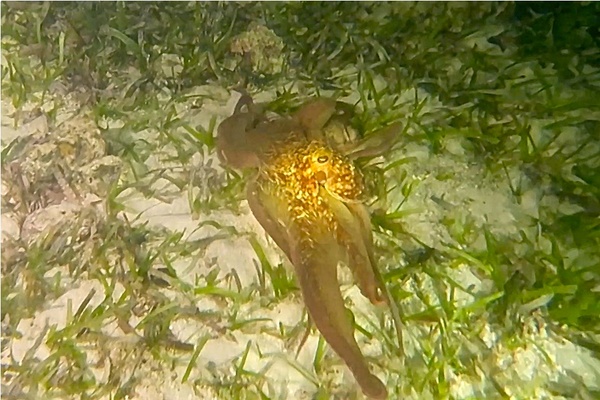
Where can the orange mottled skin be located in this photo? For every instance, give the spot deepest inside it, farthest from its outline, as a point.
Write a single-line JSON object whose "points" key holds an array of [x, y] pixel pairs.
{"points": [[300, 170]]}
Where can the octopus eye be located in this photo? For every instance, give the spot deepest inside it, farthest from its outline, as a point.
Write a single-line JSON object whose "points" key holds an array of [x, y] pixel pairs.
{"points": [[322, 159]]}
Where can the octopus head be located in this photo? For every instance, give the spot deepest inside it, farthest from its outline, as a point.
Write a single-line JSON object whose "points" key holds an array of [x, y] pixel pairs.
{"points": [[335, 173]]}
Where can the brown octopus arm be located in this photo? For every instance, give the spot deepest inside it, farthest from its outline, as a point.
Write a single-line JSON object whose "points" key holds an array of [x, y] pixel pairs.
{"points": [[354, 222], [316, 269], [362, 214], [374, 144], [271, 212], [316, 113], [234, 146], [245, 138]]}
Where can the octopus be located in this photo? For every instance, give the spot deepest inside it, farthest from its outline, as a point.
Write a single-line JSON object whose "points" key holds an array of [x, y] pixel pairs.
{"points": [[309, 197]]}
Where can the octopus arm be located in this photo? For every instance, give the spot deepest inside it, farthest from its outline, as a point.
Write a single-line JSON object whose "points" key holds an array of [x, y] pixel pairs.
{"points": [[314, 115], [233, 145], [374, 144], [361, 212], [270, 210], [315, 263], [354, 220], [355, 231]]}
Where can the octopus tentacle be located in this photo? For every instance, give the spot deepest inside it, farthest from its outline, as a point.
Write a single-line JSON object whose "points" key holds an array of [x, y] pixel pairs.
{"points": [[271, 212], [374, 144], [356, 236], [316, 269], [233, 146], [355, 221], [315, 114]]}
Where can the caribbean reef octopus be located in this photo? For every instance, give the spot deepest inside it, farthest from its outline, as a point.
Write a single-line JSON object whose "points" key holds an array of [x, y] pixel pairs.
{"points": [[309, 197]]}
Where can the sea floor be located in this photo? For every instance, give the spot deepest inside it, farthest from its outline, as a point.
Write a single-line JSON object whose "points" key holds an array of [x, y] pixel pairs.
{"points": [[132, 267]]}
